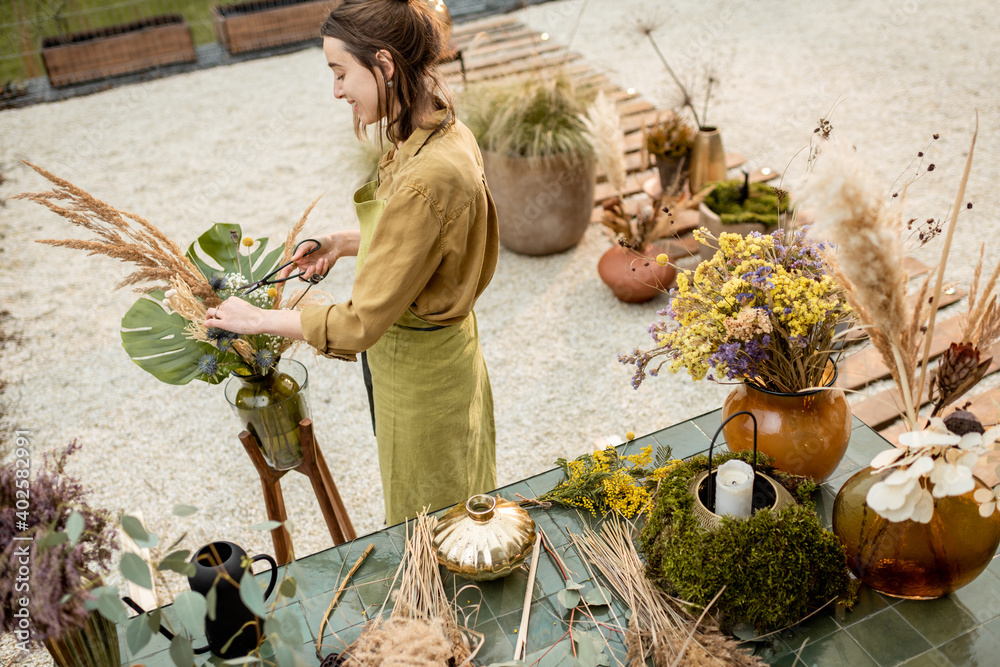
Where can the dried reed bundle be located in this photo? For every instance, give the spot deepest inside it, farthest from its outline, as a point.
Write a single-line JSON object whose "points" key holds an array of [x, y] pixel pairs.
{"points": [[604, 127], [122, 235], [423, 628], [286, 255], [868, 260], [660, 626]]}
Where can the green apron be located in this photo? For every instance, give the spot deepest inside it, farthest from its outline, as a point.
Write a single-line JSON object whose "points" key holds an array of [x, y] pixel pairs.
{"points": [[432, 404]]}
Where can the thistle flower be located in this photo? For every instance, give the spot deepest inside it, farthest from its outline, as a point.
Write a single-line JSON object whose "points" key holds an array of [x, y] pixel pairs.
{"points": [[208, 364], [264, 359]]}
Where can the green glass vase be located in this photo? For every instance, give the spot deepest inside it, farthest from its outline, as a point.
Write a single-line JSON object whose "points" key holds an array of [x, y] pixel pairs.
{"points": [[270, 406]]}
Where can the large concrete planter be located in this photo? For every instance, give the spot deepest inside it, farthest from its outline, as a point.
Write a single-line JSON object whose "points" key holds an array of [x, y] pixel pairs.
{"points": [[260, 24], [543, 204], [118, 49]]}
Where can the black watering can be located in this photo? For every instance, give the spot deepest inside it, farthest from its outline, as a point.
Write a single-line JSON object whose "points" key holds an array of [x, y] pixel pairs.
{"points": [[236, 631]]}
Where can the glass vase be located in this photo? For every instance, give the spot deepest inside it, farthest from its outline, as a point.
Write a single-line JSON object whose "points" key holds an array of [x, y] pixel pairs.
{"points": [[270, 406], [93, 645], [907, 559], [807, 432]]}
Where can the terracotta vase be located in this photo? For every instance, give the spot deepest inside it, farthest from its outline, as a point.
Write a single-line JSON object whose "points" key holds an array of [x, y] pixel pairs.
{"points": [[708, 159], [635, 277], [543, 204], [908, 559], [807, 433]]}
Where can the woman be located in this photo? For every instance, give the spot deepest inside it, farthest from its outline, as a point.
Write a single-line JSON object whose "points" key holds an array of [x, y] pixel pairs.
{"points": [[426, 249]]}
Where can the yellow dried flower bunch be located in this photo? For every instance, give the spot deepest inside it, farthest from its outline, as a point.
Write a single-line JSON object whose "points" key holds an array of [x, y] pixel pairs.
{"points": [[605, 481], [763, 310]]}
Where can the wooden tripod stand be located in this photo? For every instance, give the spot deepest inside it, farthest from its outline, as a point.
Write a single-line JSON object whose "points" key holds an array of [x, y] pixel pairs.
{"points": [[314, 467]]}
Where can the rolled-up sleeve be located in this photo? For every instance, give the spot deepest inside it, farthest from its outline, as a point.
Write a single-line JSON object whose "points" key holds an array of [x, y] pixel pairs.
{"points": [[405, 251]]}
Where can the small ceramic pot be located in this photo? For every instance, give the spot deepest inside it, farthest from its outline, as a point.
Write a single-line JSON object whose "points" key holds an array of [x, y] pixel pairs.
{"points": [[635, 277]]}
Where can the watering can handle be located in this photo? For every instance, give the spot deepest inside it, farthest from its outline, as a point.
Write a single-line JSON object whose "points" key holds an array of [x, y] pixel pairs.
{"points": [[274, 572], [163, 631]]}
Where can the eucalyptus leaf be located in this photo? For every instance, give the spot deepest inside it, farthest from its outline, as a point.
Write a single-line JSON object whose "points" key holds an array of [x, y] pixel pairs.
{"points": [[289, 627], [190, 608], [65, 598], [267, 525], [134, 529], [568, 598], [573, 586], [211, 600], [245, 660], [74, 527], [183, 509], [596, 598], [52, 539], [136, 570], [285, 655], [181, 651], [153, 618], [251, 594], [287, 588], [137, 633], [178, 562], [110, 605]]}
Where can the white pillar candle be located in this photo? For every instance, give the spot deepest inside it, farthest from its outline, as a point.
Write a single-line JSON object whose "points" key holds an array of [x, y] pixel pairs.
{"points": [[734, 489]]}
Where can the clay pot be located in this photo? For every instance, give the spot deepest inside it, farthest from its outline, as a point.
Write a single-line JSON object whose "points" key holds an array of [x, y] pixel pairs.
{"points": [[543, 204], [635, 277]]}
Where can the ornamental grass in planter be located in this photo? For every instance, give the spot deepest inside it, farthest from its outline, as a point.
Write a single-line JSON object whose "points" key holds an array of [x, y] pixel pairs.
{"points": [[538, 159]]}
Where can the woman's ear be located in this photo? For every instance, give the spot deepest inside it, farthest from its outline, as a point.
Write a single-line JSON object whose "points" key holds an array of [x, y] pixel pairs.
{"points": [[385, 61]]}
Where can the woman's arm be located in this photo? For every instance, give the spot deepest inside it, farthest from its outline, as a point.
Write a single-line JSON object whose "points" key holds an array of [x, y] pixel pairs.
{"points": [[236, 315]]}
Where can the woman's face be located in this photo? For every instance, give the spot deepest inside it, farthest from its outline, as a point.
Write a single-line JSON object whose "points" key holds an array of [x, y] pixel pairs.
{"points": [[353, 81]]}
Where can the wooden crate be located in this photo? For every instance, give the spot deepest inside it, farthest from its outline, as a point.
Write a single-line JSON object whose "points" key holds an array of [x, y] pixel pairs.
{"points": [[259, 24], [118, 49]]}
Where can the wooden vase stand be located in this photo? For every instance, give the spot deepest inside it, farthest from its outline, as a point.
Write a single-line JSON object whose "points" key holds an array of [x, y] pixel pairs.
{"points": [[314, 467]]}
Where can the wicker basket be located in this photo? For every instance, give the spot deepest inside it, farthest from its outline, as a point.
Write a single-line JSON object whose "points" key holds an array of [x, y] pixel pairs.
{"points": [[118, 49], [260, 24]]}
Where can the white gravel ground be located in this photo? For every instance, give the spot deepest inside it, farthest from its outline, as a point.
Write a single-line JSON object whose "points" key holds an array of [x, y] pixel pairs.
{"points": [[254, 143]]}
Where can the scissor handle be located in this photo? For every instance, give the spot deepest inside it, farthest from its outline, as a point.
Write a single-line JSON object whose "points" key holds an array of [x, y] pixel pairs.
{"points": [[314, 278]]}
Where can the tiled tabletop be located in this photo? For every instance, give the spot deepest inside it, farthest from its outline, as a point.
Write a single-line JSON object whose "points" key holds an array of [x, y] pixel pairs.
{"points": [[961, 629]]}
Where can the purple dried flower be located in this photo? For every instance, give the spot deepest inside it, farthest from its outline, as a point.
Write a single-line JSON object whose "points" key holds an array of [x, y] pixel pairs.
{"points": [[58, 570]]}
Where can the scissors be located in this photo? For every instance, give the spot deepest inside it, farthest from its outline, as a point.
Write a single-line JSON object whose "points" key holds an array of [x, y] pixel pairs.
{"points": [[269, 279]]}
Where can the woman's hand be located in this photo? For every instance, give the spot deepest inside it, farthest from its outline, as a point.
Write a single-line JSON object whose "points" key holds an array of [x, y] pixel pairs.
{"points": [[236, 315], [331, 248]]}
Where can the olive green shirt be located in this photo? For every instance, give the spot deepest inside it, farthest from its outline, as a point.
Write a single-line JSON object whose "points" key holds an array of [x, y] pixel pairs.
{"points": [[433, 251]]}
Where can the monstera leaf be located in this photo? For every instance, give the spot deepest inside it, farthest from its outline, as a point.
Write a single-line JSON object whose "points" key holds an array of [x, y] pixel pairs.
{"points": [[156, 341], [154, 337], [217, 244]]}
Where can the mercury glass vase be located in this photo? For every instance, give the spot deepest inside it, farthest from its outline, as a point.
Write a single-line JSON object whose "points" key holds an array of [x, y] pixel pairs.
{"points": [[806, 432], [908, 559], [486, 538], [270, 406]]}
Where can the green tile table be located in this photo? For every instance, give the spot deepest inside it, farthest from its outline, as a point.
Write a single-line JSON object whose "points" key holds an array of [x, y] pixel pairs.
{"points": [[961, 629]]}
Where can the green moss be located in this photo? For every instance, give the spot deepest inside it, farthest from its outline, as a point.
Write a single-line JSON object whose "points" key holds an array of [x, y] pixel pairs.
{"points": [[776, 566], [762, 206]]}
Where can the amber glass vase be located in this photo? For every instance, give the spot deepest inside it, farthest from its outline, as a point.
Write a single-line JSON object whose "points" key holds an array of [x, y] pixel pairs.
{"points": [[807, 433], [907, 559], [270, 407]]}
